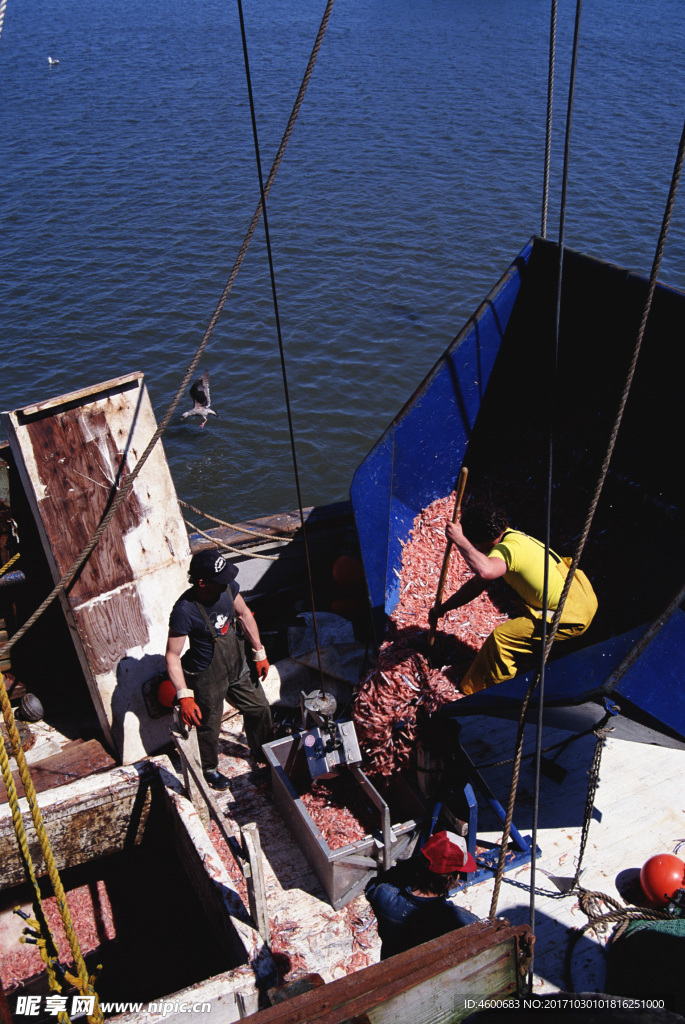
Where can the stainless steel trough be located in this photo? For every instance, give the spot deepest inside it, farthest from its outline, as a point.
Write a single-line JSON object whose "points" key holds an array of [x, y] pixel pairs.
{"points": [[344, 872]]}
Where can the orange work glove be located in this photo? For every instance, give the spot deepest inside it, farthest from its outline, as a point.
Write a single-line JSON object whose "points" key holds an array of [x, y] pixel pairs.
{"points": [[190, 712], [261, 663]]}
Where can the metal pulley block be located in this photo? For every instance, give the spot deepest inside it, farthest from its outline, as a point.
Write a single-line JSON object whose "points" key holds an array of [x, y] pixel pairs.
{"points": [[327, 744], [320, 706]]}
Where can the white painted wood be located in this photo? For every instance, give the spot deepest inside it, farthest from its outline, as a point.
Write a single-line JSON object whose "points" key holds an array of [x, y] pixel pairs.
{"points": [[118, 609], [254, 875]]}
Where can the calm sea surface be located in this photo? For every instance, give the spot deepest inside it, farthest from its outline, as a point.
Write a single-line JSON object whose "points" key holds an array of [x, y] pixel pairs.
{"points": [[412, 179]]}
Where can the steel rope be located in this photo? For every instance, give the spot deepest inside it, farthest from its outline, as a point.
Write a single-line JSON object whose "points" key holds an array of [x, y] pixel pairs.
{"points": [[540, 676], [280, 335]]}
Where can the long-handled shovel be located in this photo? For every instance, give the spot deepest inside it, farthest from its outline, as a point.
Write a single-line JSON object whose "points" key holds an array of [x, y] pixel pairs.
{"points": [[461, 484]]}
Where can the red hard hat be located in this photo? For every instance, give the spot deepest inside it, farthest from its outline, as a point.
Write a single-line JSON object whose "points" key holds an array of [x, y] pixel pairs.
{"points": [[166, 693], [661, 877]]}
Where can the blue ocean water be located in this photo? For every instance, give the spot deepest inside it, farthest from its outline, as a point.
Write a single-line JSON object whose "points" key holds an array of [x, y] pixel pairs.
{"points": [[412, 179]]}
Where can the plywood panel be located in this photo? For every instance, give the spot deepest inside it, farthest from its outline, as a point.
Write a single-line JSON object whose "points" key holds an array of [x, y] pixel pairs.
{"points": [[73, 454]]}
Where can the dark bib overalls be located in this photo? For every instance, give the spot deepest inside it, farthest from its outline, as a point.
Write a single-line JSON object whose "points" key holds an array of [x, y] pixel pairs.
{"points": [[228, 677]]}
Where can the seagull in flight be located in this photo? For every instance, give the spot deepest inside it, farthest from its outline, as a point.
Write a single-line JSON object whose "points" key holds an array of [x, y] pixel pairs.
{"points": [[53, 60], [199, 392]]}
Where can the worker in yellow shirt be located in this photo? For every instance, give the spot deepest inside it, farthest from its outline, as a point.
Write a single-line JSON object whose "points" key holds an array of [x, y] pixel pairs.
{"points": [[492, 550]]}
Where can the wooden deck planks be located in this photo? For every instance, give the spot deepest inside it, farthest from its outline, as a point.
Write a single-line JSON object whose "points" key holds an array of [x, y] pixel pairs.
{"points": [[77, 760], [638, 812]]}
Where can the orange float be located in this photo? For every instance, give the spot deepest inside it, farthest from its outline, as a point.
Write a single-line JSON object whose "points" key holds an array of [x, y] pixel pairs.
{"points": [[661, 877], [347, 571], [166, 693]]}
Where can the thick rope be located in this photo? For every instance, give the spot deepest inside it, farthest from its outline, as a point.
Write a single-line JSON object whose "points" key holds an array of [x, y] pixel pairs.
{"points": [[3, 8], [237, 527], [53, 873], [593, 505], [550, 105], [621, 914], [7, 566], [130, 480], [226, 547]]}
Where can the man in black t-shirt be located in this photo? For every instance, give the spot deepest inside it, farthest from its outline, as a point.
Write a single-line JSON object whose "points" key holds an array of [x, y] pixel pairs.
{"points": [[214, 667]]}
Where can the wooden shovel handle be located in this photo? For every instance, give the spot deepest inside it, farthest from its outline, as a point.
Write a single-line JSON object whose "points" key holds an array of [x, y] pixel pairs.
{"points": [[461, 485]]}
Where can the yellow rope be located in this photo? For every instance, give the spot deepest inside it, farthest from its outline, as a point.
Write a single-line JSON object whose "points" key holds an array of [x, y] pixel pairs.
{"points": [[5, 567], [48, 959], [83, 982]]}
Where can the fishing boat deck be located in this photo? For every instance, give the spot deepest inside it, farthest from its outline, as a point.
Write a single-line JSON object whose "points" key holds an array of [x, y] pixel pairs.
{"points": [[636, 814]]}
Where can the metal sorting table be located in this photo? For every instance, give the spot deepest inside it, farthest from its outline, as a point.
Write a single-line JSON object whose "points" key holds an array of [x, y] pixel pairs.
{"points": [[343, 873]]}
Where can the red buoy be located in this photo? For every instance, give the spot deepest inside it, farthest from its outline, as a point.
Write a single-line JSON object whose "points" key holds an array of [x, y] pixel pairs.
{"points": [[661, 877], [166, 693], [347, 571]]}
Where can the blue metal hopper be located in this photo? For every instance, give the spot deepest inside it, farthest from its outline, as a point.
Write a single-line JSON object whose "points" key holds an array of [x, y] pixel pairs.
{"points": [[485, 404]]}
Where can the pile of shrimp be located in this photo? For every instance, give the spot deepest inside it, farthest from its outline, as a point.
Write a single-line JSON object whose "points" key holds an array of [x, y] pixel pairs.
{"points": [[404, 682]]}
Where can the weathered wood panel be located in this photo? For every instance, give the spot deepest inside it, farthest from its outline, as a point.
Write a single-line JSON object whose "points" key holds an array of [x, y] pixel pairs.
{"points": [[77, 760], [84, 820], [424, 985], [73, 454]]}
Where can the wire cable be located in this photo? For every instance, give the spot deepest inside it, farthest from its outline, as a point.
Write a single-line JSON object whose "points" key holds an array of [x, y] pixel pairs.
{"points": [[279, 332]]}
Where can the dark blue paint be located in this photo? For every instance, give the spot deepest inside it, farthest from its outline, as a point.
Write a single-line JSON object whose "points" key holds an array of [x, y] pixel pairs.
{"points": [[419, 456], [655, 682]]}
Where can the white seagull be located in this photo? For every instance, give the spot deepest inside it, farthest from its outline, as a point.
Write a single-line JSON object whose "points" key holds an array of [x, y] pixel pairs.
{"points": [[53, 60], [199, 392]]}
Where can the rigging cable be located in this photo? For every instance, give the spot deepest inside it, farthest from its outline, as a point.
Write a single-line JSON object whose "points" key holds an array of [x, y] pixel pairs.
{"points": [[596, 496], [550, 473], [550, 104], [673, 190], [545, 649], [280, 337]]}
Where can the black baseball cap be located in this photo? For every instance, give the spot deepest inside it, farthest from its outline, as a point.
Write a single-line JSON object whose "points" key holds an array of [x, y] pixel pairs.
{"points": [[211, 567]]}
